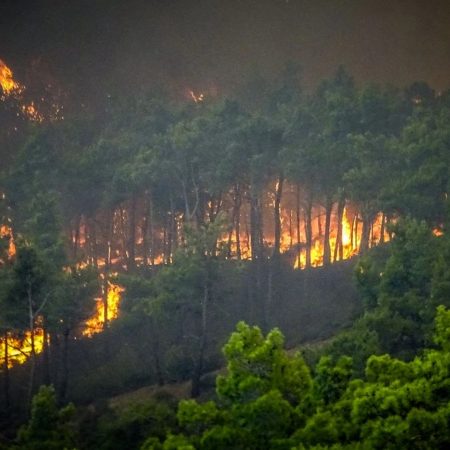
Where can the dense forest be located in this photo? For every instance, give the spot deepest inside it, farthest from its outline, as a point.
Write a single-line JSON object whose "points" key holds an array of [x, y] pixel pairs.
{"points": [[136, 236]]}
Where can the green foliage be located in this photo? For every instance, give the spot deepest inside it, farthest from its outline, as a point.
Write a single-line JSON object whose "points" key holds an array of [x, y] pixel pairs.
{"points": [[258, 365], [364, 145], [130, 426], [401, 291], [49, 428], [332, 380], [256, 399], [268, 400]]}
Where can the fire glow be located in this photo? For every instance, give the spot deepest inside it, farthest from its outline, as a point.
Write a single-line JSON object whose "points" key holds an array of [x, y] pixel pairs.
{"points": [[197, 98], [12, 88], [96, 323], [6, 233], [7, 82], [19, 348]]}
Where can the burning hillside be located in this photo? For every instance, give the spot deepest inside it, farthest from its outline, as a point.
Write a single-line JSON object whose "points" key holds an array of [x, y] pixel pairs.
{"points": [[36, 106]]}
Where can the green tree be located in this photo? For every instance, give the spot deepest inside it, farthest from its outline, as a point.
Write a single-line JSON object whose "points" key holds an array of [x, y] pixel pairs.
{"points": [[49, 427], [257, 399], [188, 286]]}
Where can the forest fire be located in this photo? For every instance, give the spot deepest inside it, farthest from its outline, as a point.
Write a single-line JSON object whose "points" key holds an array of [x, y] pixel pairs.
{"points": [[6, 79], [12, 88], [16, 349], [104, 312], [19, 348], [6, 233], [8, 84], [350, 239], [197, 98]]}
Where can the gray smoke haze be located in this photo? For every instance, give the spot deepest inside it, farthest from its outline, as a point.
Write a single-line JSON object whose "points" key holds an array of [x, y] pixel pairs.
{"points": [[112, 44]]}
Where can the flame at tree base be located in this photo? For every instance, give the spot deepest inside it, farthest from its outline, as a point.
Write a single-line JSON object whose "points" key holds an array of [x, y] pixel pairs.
{"points": [[6, 233], [20, 348], [350, 242], [97, 322]]}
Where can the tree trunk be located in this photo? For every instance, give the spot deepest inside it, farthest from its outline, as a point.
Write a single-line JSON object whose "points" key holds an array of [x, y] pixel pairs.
{"points": [[198, 369], [65, 368], [354, 232], [76, 240], [308, 230], [235, 223], [144, 230], [170, 228], [297, 211], [157, 355], [31, 319], [338, 248], [255, 239], [165, 246], [382, 227], [46, 358], [365, 234], [326, 238], [238, 225], [132, 235], [105, 300], [6, 383], [277, 217], [152, 234], [93, 240]]}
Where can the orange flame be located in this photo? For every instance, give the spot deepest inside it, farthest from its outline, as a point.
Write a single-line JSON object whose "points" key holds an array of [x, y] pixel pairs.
{"points": [[197, 98], [7, 82], [11, 87], [97, 322], [350, 242], [19, 349], [32, 113], [6, 232]]}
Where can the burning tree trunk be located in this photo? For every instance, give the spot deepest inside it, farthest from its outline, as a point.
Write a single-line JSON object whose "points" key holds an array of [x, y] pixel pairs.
{"points": [[277, 218], [365, 233], [298, 223], [308, 231], [339, 249], [6, 384], [105, 299], [152, 234], [237, 200], [255, 225], [326, 239], [382, 227], [31, 320]]}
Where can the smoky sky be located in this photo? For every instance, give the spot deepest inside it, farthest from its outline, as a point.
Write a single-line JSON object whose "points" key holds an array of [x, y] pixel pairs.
{"points": [[126, 45]]}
